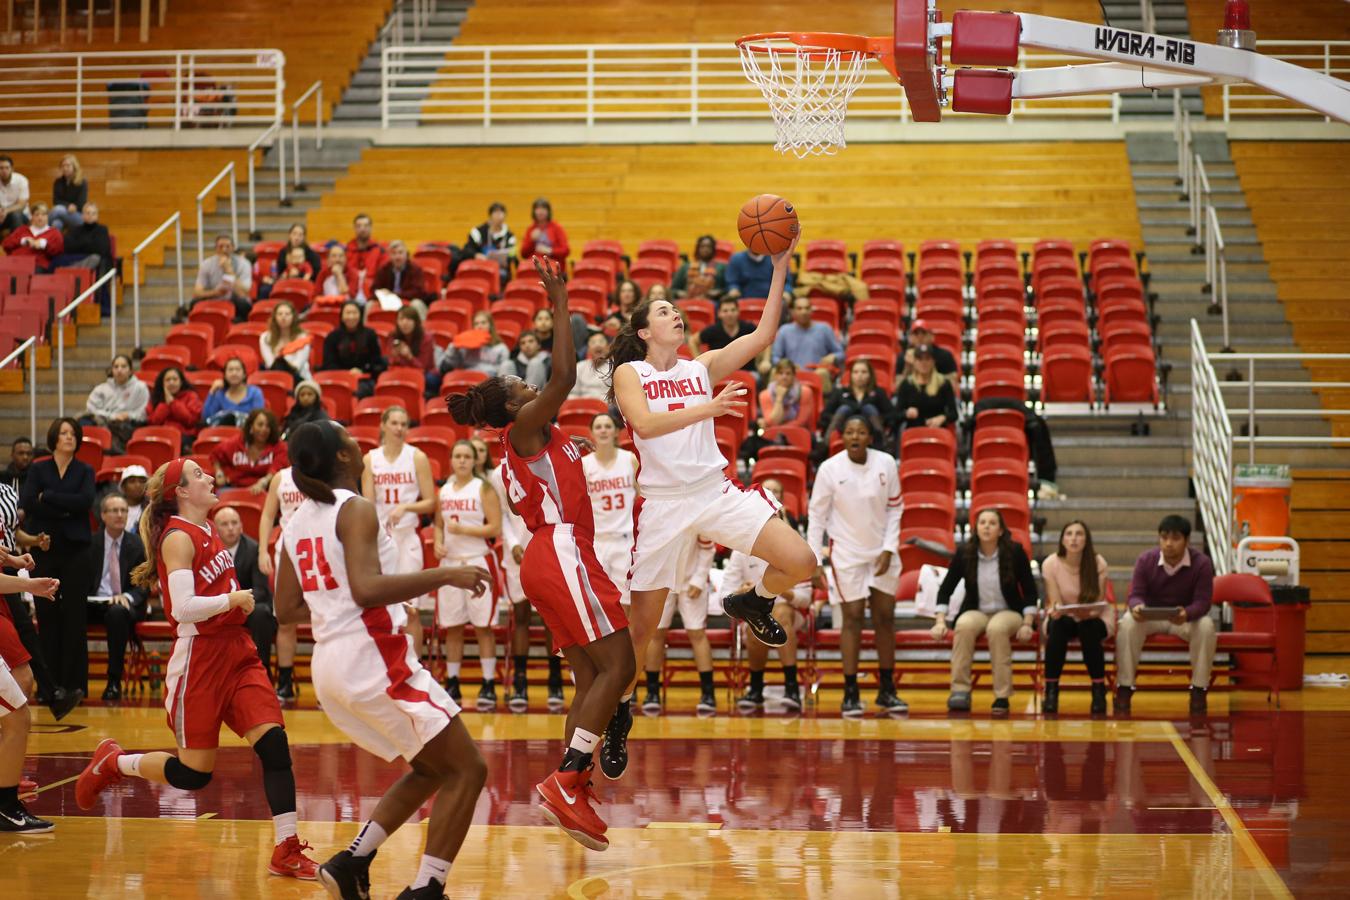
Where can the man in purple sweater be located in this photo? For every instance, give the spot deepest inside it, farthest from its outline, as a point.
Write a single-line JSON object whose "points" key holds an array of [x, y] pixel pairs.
{"points": [[1172, 577]]}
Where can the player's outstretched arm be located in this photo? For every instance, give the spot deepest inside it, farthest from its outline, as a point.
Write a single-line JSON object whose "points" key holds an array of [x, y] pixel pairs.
{"points": [[645, 423], [721, 363], [543, 409], [265, 522], [288, 599]]}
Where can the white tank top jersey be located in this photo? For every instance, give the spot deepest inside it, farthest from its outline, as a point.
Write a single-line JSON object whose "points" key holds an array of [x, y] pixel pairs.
{"points": [[612, 490], [321, 564], [463, 505], [514, 532], [289, 496], [673, 463], [858, 506], [395, 483]]}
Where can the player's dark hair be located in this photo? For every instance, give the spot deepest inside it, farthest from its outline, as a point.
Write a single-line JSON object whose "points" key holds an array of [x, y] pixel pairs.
{"points": [[970, 553], [627, 346], [1089, 579], [313, 449], [1175, 524], [161, 502], [484, 404]]}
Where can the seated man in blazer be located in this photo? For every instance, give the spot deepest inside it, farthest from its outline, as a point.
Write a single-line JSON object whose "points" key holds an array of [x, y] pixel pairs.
{"points": [[113, 553], [262, 623]]}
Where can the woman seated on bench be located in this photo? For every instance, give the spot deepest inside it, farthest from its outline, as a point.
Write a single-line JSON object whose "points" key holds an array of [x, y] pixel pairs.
{"points": [[1075, 582], [1000, 601]]}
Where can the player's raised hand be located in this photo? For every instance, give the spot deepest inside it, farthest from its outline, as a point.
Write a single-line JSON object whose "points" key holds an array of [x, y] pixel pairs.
{"points": [[242, 600], [729, 402], [470, 578], [782, 259], [44, 587], [551, 277]]}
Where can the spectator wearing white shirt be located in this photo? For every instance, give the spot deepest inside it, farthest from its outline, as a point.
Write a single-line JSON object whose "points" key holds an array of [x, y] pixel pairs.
{"points": [[590, 383], [225, 275], [856, 502], [13, 197], [282, 330], [118, 404], [692, 603]]}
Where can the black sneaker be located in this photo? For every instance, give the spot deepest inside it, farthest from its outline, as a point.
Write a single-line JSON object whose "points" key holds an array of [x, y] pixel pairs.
{"points": [[890, 701], [556, 701], [63, 701], [614, 753], [487, 696], [347, 877], [1199, 707], [757, 612], [1123, 697], [651, 704], [519, 699], [286, 692], [852, 706], [753, 698], [113, 692], [959, 701], [452, 688], [1001, 708], [18, 820], [792, 697], [707, 702], [433, 891]]}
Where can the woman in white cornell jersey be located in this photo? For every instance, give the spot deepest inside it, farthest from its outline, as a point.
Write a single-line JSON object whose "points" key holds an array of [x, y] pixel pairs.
{"points": [[283, 498], [669, 406], [366, 675], [611, 479], [856, 501], [397, 479], [467, 514]]}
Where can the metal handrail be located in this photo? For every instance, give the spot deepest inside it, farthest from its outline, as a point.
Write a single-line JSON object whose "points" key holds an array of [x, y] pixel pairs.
{"points": [[1330, 58], [201, 217], [175, 220], [1211, 454], [1185, 156], [1199, 195], [31, 346], [1148, 16], [274, 128], [317, 90], [1252, 384], [110, 275], [1216, 271]]}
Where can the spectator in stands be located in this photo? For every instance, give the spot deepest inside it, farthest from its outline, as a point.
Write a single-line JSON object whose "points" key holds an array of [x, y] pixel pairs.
{"points": [[493, 240], [262, 622], [656, 292], [365, 256], [276, 343], [590, 382], [70, 192], [726, 328], [293, 264], [531, 362], [338, 277], [925, 398], [36, 239], [412, 348], [748, 275], [487, 358], [404, 277], [811, 345], [20, 458], [1000, 602], [226, 275], [544, 237], [173, 403], [700, 277], [786, 400], [232, 398], [56, 500], [13, 197], [134, 480], [114, 551], [298, 238], [308, 407], [354, 348], [253, 456], [542, 324], [1171, 577], [118, 404], [88, 245], [921, 335], [626, 297], [1075, 575], [860, 397]]}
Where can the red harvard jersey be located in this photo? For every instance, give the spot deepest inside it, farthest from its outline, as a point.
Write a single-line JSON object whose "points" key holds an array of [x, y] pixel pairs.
{"points": [[212, 575], [549, 488]]}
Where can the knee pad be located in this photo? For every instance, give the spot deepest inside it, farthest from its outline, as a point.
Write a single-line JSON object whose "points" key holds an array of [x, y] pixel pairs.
{"points": [[274, 750], [184, 777]]}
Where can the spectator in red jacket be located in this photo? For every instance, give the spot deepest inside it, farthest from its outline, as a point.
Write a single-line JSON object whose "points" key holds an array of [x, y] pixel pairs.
{"points": [[37, 238], [365, 255], [404, 277], [544, 237], [253, 456], [173, 403]]}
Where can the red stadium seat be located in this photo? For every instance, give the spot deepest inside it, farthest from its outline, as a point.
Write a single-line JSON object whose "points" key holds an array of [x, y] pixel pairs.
{"points": [[661, 251], [913, 556], [791, 473], [219, 314], [155, 447], [456, 312], [486, 271], [461, 380], [113, 466], [1000, 418], [580, 411], [244, 502], [199, 339], [928, 510], [341, 387], [406, 384], [276, 388], [165, 356], [223, 354], [1125, 333], [603, 249], [1016, 508], [1131, 376], [998, 443], [927, 476], [928, 443], [999, 476], [1066, 374], [212, 436], [601, 270]]}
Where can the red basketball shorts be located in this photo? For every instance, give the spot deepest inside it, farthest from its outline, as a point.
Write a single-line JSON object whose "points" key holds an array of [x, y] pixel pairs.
{"points": [[12, 650], [566, 583], [215, 680]]}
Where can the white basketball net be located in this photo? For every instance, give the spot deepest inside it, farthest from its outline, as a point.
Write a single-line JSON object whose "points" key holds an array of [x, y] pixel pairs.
{"points": [[808, 89]]}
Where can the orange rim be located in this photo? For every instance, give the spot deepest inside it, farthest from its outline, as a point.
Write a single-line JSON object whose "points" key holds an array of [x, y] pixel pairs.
{"points": [[816, 44]]}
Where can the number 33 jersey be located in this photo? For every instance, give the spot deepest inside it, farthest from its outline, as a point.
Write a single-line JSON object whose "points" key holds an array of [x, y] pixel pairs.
{"points": [[320, 562], [612, 489]]}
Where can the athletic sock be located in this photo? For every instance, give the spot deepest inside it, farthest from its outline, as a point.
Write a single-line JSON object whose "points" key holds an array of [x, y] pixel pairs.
{"points": [[554, 670], [757, 679], [283, 826], [489, 666], [654, 681], [789, 675], [432, 869], [368, 840], [887, 677], [130, 764], [762, 591], [9, 797], [452, 670], [522, 662], [851, 682], [705, 681], [285, 674], [583, 741]]}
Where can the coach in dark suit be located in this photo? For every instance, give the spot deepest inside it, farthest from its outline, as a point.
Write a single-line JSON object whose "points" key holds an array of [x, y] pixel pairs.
{"points": [[113, 553], [261, 622]]}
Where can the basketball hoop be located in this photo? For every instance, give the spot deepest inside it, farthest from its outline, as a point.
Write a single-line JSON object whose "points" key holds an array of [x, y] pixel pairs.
{"points": [[808, 78]]}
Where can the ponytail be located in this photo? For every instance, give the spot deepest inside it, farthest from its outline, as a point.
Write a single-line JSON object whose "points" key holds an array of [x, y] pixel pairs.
{"points": [[160, 504], [313, 450], [483, 405], [627, 346]]}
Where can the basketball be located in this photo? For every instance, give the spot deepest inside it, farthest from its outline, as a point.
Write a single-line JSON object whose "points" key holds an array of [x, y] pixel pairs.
{"points": [[767, 224]]}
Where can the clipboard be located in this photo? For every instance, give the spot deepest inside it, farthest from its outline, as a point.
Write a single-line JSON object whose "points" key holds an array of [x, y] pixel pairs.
{"points": [[1083, 607], [1157, 613]]}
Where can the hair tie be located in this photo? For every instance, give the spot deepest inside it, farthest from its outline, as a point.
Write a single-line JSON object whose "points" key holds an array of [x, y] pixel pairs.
{"points": [[173, 473]]}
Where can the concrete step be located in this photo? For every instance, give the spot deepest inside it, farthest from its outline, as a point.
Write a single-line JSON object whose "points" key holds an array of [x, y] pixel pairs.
{"points": [[1178, 233], [1165, 185], [1072, 450], [1076, 482], [1180, 212], [1124, 512]]}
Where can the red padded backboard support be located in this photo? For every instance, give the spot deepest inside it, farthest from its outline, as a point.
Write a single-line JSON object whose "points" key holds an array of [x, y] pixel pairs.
{"points": [[912, 65], [987, 91], [985, 39]]}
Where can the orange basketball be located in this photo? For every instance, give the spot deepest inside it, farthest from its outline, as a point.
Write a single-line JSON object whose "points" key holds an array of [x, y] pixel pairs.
{"points": [[767, 224]]}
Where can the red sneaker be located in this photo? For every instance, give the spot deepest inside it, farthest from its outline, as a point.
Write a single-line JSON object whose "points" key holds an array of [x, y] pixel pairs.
{"points": [[289, 859], [99, 774], [567, 803], [27, 786]]}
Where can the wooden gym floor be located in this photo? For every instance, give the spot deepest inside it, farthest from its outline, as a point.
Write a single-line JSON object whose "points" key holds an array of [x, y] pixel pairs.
{"points": [[1246, 803]]}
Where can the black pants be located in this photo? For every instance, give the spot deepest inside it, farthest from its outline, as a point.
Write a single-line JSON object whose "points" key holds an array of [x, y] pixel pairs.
{"points": [[28, 636], [1090, 634], [262, 624], [120, 623], [63, 622], [1039, 444]]}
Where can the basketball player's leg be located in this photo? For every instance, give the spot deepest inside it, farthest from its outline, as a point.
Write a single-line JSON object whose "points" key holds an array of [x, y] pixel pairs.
{"points": [[850, 636], [644, 623], [287, 639], [789, 557], [583, 676]]}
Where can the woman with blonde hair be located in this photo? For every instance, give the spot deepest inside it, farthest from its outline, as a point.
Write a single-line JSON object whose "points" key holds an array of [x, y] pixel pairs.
{"points": [[70, 192], [925, 398], [283, 328]]}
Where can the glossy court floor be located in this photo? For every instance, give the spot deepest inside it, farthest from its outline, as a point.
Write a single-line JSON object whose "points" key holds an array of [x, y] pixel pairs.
{"points": [[1248, 802]]}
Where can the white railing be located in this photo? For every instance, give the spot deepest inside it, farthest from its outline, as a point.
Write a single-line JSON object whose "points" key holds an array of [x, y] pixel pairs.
{"points": [[1253, 413], [109, 277], [1211, 454], [273, 130], [176, 220], [141, 89], [1328, 57], [1199, 195], [1181, 131], [1216, 270], [317, 90], [31, 346], [406, 21], [234, 207], [589, 83], [1148, 16]]}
